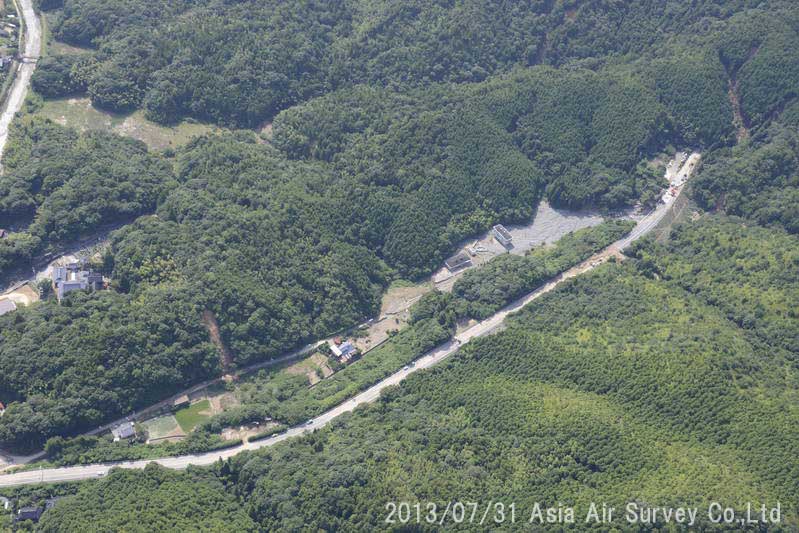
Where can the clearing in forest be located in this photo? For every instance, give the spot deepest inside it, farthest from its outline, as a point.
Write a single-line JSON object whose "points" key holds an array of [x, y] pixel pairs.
{"points": [[209, 320], [79, 113]]}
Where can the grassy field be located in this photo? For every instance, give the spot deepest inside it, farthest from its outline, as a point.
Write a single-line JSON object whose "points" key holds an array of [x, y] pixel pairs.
{"points": [[161, 427], [80, 114], [189, 417]]}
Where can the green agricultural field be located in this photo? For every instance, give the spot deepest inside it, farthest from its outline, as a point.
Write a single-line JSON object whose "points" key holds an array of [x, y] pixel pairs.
{"points": [[191, 416]]}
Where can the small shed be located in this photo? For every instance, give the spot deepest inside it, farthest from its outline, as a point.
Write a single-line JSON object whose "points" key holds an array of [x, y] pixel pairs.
{"points": [[335, 349]]}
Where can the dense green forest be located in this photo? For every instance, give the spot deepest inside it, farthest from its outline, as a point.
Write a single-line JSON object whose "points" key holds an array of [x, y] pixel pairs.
{"points": [[398, 130], [60, 186], [766, 304], [69, 367], [637, 382], [759, 180], [258, 58], [576, 135], [70, 184], [154, 499], [579, 133]]}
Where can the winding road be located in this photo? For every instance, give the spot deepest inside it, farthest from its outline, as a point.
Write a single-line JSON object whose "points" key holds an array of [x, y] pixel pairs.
{"points": [[644, 226], [16, 97], [32, 51]]}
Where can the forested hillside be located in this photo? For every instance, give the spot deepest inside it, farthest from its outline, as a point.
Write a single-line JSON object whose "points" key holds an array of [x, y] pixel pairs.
{"points": [[580, 133], [398, 130], [764, 303], [65, 368], [154, 499], [69, 184], [60, 186], [610, 389], [635, 383], [760, 180], [399, 80], [261, 57], [380, 136]]}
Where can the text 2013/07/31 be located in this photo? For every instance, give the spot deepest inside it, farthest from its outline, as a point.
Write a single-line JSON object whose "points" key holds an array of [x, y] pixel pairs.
{"points": [[498, 512]]}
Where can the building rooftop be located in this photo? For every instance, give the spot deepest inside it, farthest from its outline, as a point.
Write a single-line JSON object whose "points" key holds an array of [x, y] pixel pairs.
{"points": [[29, 513], [459, 261], [75, 276], [503, 231], [124, 431]]}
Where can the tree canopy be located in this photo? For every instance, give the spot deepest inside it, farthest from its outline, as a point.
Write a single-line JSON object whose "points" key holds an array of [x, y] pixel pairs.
{"points": [[637, 382], [154, 499], [397, 131]]}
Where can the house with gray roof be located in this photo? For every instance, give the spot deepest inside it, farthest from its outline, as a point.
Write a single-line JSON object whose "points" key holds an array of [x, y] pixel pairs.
{"points": [[75, 277], [125, 430], [33, 513]]}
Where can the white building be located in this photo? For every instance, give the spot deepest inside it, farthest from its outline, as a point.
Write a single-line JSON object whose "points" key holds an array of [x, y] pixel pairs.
{"points": [[502, 235]]}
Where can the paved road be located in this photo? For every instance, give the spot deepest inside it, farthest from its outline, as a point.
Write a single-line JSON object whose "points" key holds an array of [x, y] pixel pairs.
{"points": [[74, 473], [33, 49], [152, 409]]}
